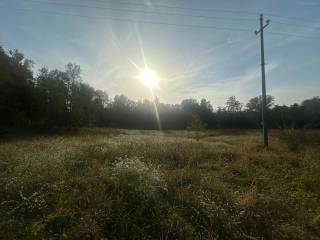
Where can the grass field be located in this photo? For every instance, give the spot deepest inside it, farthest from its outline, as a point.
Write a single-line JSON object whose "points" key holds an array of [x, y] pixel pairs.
{"points": [[121, 184]]}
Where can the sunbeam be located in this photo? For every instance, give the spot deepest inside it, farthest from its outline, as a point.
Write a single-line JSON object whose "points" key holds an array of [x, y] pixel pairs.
{"points": [[148, 77]]}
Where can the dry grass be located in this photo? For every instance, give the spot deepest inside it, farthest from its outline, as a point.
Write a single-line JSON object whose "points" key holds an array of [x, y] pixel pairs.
{"points": [[120, 184]]}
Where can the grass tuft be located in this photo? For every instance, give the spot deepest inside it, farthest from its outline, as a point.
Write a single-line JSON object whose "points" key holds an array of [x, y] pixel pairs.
{"points": [[121, 184]]}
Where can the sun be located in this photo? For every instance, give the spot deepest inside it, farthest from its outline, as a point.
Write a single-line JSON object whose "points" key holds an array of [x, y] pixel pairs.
{"points": [[149, 78]]}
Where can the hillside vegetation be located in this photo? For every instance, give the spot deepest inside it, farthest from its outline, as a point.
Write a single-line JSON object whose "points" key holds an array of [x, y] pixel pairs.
{"points": [[121, 184]]}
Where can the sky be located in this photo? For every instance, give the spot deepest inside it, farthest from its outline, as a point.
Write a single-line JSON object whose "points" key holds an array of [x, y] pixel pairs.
{"points": [[217, 57]]}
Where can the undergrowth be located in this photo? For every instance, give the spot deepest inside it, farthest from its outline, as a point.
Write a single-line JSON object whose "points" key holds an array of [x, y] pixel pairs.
{"points": [[119, 184]]}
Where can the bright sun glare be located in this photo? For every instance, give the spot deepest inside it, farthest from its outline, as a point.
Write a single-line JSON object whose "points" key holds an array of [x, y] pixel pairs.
{"points": [[149, 77]]}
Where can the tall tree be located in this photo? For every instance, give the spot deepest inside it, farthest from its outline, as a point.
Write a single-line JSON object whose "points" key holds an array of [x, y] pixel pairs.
{"points": [[312, 111], [254, 104], [16, 88], [52, 93], [233, 105]]}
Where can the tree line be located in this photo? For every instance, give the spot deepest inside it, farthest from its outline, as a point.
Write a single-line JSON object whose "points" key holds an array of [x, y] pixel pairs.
{"points": [[55, 99]]}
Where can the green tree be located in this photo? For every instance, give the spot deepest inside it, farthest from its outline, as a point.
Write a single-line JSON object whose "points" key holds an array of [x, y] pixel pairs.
{"points": [[16, 89], [233, 105], [52, 98], [195, 124], [254, 104]]}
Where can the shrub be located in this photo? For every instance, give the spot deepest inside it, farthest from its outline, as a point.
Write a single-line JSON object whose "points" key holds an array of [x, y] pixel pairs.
{"points": [[294, 139], [195, 124]]}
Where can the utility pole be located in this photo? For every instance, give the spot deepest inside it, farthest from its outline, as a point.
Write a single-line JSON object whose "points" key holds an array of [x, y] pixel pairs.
{"points": [[264, 95]]}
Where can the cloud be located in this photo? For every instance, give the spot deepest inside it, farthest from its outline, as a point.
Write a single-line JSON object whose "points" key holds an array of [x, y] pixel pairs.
{"points": [[294, 94], [242, 86], [309, 33]]}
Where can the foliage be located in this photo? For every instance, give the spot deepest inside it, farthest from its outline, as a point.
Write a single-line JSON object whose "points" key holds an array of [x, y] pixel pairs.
{"points": [[233, 105], [254, 104], [15, 88], [294, 139], [55, 99], [195, 124], [121, 184]]}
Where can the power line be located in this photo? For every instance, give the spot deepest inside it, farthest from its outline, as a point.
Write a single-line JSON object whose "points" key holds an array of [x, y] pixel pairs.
{"points": [[297, 25], [129, 20], [178, 14], [201, 9], [177, 7], [289, 18], [197, 26], [166, 13], [292, 35], [141, 11]]}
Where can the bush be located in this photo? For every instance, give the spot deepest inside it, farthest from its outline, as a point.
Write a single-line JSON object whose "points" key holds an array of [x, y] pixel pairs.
{"points": [[195, 124], [293, 138]]}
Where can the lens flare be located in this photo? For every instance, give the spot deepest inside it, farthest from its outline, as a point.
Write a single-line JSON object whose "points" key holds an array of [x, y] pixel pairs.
{"points": [[149, 78]]}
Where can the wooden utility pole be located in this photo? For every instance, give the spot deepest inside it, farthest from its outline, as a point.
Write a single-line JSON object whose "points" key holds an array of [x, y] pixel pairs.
{"points": [[264, 95]]}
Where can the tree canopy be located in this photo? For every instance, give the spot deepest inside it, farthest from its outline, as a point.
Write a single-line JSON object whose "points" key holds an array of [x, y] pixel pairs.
{"points": [[54, 99]]}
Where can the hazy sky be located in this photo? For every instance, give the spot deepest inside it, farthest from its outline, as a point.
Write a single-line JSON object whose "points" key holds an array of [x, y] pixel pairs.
{"points": [[192, 62]]}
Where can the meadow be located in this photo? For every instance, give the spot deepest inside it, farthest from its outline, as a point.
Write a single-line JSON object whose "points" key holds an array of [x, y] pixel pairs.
{"points": [[130, 184]]}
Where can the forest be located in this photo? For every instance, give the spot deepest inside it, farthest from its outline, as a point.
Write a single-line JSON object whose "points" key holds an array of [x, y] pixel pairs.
{"points": [[55, 99]]}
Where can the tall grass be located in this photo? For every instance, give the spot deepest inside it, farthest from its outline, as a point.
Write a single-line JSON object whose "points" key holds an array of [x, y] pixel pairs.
{"points": [[119, 184]]}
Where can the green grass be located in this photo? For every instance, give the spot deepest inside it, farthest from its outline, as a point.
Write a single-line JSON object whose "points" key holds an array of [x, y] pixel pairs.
{"points": [[119, 184]]}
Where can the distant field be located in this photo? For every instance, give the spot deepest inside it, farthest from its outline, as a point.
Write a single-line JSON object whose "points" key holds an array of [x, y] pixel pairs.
{"points": [[121, 184]]}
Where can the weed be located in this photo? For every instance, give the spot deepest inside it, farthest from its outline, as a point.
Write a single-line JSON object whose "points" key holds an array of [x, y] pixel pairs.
{"points": [[121, 184]]}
